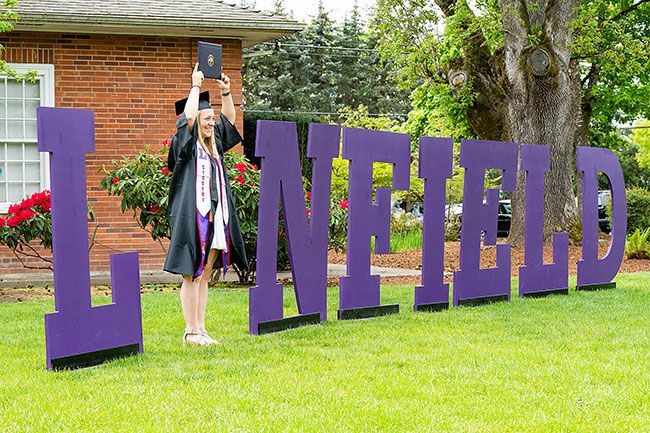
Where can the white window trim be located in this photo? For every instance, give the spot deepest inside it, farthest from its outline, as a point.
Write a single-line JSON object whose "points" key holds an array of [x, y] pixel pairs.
{"points": [[46, 74]]}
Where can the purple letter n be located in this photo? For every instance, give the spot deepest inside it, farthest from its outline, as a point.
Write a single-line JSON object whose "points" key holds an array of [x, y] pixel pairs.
{"points": [[281, 177], [79, 335]]}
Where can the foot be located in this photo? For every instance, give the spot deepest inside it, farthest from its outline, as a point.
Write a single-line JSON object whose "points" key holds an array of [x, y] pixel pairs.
{"points": [[193, 338], [210, 340]]}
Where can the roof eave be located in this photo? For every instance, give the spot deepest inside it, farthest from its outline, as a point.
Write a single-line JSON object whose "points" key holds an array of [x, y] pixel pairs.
{"points": [[250, 33]]}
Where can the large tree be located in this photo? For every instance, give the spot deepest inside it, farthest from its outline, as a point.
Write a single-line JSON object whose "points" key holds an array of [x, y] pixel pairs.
{"points": [[528, 71]]}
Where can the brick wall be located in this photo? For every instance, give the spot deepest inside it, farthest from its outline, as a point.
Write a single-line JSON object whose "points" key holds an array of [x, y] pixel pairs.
{"points": [[131, 82]]}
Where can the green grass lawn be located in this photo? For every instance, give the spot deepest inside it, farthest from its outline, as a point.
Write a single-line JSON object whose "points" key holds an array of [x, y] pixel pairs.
{"points": [[577, 363]]}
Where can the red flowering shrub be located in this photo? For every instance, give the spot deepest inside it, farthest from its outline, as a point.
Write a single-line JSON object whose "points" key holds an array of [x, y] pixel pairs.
{"points": [[143, 182], [28, 221]]}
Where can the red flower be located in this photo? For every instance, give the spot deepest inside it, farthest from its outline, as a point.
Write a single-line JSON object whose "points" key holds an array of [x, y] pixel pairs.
{"points": [[241, 168], [255, 167], [2, 222], [166, 170], [167, 142], [309, 195], [14, 209], [13, 221], [28, 203], [240, 180], [343, 204], [45, 207], [307, 211], [26, 215], [115, 180], [155, 208], [253, 184]]}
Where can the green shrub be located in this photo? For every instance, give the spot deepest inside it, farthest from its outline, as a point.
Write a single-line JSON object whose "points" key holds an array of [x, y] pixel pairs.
{"points": [[404, 223], [638, 209], [637, 246], [453, 224]]}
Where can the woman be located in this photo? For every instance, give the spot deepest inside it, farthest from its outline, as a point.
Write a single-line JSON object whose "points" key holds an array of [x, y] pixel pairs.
{"points": [[204, 226]]}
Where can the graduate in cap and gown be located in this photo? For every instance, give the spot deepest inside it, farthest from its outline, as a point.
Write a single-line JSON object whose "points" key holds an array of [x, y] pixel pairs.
{"points": [[204, 227]]}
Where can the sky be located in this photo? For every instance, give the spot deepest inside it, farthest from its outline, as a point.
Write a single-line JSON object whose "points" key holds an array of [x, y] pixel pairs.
{"points": [[303, 10]]}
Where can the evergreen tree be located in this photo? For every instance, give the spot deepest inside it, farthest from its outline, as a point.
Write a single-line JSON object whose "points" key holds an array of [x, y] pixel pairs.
{"points": [[324, 68]]}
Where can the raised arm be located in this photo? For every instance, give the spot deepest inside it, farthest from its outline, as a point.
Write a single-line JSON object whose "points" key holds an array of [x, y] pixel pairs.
{"points": [[227, 104], [192, 104]]}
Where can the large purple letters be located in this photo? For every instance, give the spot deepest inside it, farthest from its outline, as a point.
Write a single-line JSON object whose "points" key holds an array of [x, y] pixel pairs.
{"points": [[78, 334], [472, 284], [359, 290], [435, 163], [595, 273], [536, 278], [359, 294], [277, 145]]}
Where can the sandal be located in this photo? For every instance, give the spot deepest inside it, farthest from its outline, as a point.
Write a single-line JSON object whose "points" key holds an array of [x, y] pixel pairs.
{"points": [[194, 339], [211, 341]]}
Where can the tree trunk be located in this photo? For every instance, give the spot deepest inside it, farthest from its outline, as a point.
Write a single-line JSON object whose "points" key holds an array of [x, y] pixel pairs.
{"points": [[528, 93], [544, 103]]}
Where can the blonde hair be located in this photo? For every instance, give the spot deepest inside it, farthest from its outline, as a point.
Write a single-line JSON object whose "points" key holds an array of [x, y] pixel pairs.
{"points": [[207, 143]]}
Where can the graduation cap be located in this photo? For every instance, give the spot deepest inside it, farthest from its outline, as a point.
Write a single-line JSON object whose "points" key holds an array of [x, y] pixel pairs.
{"points": [[204, 103]]}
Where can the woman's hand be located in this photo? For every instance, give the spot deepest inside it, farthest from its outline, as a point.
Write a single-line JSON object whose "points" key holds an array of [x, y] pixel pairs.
{"points": [[197, 76], [224, 83]]}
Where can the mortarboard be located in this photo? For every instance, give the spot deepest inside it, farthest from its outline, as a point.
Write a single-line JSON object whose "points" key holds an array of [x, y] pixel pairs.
{"points": [[204, 103]]}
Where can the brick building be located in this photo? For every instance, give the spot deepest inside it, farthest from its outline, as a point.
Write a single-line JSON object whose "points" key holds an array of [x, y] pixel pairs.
{"points": [[128, 60]]}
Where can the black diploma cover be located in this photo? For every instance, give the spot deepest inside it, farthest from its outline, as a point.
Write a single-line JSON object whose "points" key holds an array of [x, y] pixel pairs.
{"points": [[210, 59]]}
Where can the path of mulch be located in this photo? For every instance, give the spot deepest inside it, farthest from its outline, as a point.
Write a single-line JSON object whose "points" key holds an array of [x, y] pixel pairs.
{"points": [[412, 259]]}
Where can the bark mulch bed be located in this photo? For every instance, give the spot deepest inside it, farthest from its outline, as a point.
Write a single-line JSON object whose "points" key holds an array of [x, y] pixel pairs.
{"points": [[412, 259]]}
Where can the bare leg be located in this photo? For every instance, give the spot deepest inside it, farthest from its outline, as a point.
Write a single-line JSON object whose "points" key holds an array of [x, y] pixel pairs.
{"points": [[190, 302], [203, 289]]}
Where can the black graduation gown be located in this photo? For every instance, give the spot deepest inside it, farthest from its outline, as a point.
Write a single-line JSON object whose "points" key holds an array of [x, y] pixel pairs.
{"points": [[184, 254]]}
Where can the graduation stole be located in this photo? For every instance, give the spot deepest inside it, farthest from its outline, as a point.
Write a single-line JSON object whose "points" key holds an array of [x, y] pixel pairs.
{"points": [[203, 205]]}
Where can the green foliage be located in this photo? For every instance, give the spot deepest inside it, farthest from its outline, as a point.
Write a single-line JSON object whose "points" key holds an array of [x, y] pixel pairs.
{"points": [[641, 136], [142, 182], [574, 230], [338, 225], [637, 245], [638, 209], [610, 40], [324, 68], [8, 16], [453, 225], [382, 173], [405, 232]]}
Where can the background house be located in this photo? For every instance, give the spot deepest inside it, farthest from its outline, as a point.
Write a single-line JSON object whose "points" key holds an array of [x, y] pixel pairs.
{"points": [[128, 60]]}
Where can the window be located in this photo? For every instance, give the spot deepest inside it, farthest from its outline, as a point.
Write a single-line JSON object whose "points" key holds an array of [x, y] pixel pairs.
{"points": [[23, 169]]}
